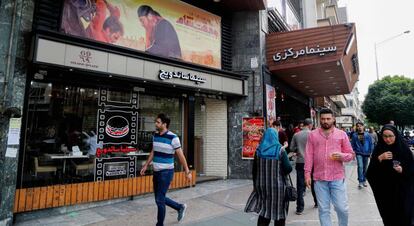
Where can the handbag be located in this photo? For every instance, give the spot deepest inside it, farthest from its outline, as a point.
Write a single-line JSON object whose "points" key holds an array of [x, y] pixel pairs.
{"points": [[290, 194]]}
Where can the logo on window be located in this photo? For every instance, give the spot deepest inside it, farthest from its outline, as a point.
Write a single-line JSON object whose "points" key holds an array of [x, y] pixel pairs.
{"points": [[117, 127]]}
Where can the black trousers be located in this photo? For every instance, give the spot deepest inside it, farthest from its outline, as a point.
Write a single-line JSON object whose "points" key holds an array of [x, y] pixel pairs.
{"points": [[265, 222], [300, 186]]}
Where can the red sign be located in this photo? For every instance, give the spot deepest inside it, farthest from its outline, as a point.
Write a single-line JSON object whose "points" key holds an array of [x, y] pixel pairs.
{"points": [[252, 134]]}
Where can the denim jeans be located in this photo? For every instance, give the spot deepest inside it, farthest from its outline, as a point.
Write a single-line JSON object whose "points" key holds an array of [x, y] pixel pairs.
{"points": [[362, 162], [335, 192], [161, 180], [300, 186]]}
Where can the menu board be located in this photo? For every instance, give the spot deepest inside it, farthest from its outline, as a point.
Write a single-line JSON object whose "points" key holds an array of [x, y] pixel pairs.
{"points": [[253, 129]]}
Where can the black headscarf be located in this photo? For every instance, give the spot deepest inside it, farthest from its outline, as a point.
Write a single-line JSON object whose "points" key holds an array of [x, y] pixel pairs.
{"points": [[393, 191]]}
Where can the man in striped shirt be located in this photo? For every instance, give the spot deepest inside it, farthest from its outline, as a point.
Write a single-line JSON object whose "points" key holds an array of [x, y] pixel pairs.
{"points": [[326, 150], [165, 145]]}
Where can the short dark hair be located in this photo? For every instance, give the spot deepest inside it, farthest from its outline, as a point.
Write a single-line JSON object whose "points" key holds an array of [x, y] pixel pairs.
{"points": [[164, 119], [113, 24], [276, 123], [326, 111], [307, 122], [360, 123], [144, 10]]}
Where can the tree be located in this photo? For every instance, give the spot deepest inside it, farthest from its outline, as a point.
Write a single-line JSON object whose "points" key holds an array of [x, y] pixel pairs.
{"points": [[391, 98]]}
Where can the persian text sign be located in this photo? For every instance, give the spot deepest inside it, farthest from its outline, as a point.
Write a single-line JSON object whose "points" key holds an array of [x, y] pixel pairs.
{"points": [[168, 28], [252, 134]]}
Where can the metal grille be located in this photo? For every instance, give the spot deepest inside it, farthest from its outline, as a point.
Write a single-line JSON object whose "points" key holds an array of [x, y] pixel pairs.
{"points": [[47, 15], [226, 44]]}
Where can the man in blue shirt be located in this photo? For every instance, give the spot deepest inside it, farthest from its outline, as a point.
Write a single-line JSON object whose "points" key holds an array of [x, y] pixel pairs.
{"points": [[362, 144], [165, 145]]}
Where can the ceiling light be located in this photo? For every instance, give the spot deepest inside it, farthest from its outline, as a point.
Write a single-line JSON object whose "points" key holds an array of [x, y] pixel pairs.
{"points": [[315, 94], [293, 76], [306, 87], [311, 90], [327, 71], [216, 0], [331, 77], [334, 83], [300, 82]]}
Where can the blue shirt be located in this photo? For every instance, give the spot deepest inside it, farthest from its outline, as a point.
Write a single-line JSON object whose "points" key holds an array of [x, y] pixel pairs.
{"points": [[164, 147]]}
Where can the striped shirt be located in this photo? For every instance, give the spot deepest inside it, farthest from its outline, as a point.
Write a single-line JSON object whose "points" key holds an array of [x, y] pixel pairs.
{"points": [[319, 149], [164, 147]]}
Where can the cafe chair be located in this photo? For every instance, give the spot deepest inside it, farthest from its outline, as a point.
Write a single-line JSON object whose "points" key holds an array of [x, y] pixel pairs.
{"points": [[87, 166], [43, 168]]}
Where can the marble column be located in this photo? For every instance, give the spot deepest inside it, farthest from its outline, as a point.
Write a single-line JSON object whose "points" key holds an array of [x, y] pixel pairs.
{"points": [[15, 26], [248, 43]]}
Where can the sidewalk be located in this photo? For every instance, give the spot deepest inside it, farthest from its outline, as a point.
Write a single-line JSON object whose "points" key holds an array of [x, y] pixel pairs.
{"points": [[215, 203]]}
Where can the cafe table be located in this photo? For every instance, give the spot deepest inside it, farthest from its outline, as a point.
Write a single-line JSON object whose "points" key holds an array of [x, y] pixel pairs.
{"points": [[64, 157]]}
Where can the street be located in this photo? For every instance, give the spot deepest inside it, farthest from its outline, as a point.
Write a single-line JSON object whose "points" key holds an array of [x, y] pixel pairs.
{"points": [[213, 203]]}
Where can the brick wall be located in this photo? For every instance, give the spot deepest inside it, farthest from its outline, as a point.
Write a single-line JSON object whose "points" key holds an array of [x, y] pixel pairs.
{"points": [[215, 138]]}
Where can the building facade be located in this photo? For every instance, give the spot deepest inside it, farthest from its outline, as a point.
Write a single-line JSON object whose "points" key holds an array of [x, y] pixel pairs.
{"points": [[81, 85]]}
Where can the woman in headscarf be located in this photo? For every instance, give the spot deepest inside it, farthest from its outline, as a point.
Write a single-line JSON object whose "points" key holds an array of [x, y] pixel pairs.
{"points": [[270, 167], [391, 174]]}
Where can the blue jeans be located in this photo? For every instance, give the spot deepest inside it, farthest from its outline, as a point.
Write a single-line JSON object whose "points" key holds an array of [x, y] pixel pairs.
{"points": [[362, 162], [161, 180], [335, 192]]}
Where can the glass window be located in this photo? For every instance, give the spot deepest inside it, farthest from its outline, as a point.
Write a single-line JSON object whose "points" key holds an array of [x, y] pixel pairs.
{"points": [[69, 127]]}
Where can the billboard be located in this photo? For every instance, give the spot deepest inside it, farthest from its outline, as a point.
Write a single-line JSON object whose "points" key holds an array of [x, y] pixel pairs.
{"points": [[252, 134], [167, 28]]}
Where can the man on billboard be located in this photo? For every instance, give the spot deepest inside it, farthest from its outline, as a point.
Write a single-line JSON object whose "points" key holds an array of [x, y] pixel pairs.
{"points": [[105, 29], [161, 37]]}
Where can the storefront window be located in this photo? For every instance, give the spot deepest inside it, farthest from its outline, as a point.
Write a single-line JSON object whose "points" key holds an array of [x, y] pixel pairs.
{"points": [[71, 129]]}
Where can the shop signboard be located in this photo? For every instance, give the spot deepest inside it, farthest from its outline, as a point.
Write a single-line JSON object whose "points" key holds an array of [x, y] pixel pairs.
{"points": [[253, 129], [270, 103], [114, 168], [167, 28]]}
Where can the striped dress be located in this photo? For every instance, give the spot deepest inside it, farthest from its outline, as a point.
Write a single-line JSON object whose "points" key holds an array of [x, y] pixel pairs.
{"points": [[268, 196]]}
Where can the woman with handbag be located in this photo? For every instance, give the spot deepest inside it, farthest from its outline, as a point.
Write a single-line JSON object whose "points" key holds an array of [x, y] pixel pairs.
{"points": [[270, 167]]}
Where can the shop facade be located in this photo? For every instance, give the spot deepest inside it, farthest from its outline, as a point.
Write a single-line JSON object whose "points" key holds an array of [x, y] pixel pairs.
{"points": [[320, 63], [88, 107]]}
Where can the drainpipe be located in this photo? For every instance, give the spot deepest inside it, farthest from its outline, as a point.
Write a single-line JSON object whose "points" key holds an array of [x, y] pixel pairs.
{"points": [[8, 75]]}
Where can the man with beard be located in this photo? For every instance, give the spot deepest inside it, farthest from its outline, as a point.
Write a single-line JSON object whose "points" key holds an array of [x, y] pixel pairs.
{"points": [[165, 145], [161, 37], [326, 150]]}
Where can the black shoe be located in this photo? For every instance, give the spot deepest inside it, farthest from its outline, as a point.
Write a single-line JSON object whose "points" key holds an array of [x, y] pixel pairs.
{"points": [[181, 213], [299, 212]]}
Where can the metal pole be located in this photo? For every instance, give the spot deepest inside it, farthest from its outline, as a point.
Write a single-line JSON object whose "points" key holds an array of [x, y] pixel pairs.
{"points": [[379, 43], [376, 60]]}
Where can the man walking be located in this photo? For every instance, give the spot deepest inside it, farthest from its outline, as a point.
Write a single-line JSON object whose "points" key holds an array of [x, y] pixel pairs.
{"points": [[326, 150], [362, 144], [165, 144], [373, 135], [298, 145]]}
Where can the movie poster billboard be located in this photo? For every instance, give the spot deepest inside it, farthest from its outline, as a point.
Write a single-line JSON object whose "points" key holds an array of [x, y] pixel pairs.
{"points": [[270, 103], [167, 28], [253, 129]]}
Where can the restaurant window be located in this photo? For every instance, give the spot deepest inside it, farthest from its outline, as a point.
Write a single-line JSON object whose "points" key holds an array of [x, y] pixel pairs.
{"points": [[70, 127]]}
